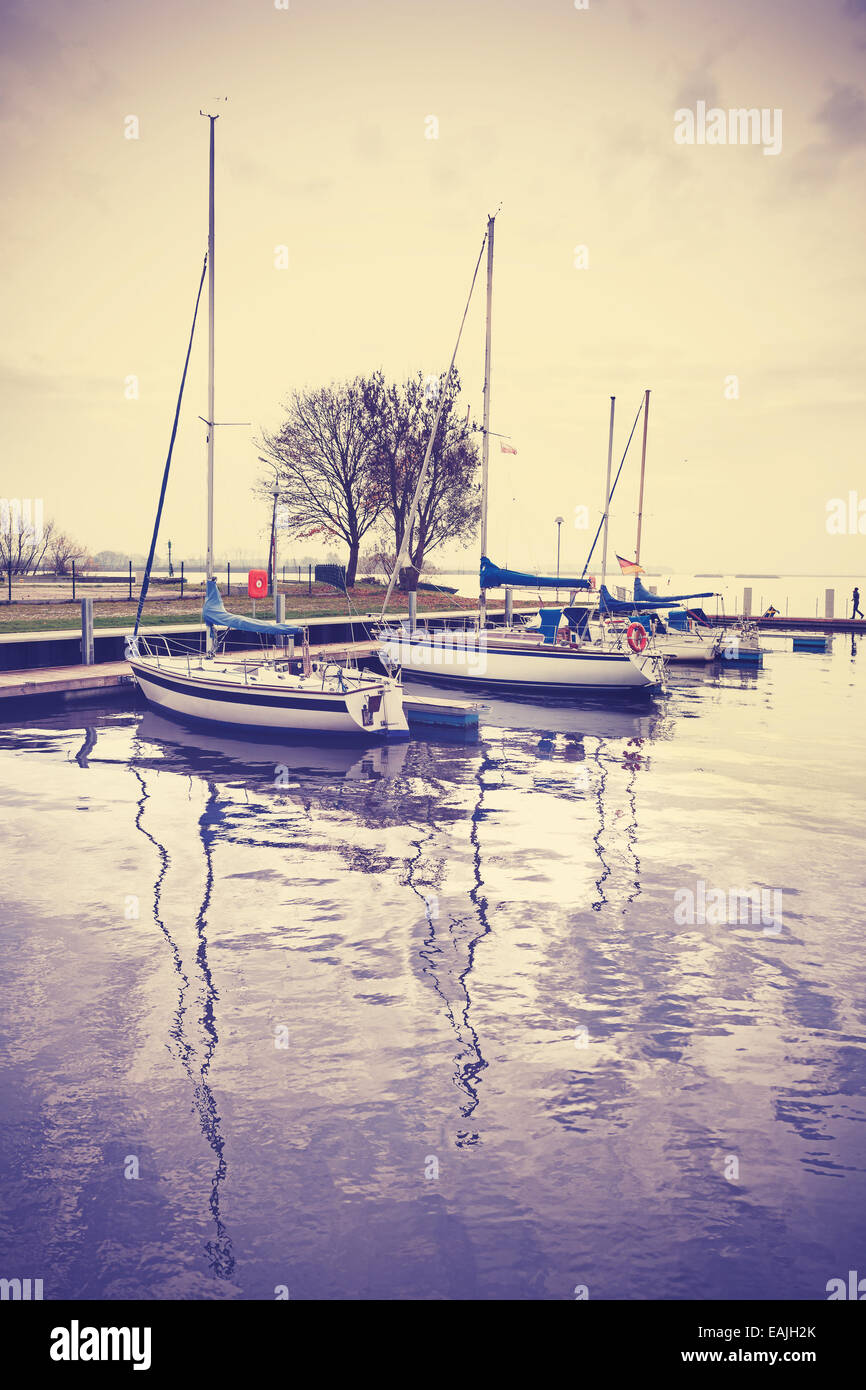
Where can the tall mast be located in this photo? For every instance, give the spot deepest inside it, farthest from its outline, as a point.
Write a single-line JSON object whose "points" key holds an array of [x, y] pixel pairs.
{"points": [[211, 418], [485, 439], [607, 493], [642, 472]]}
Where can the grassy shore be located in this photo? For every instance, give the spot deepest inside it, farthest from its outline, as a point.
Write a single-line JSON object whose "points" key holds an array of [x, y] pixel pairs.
{"points": [[323, 602]]}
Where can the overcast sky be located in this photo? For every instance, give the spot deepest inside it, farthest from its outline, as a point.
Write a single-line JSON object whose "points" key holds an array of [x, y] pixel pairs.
{"points": [[704, 262]]}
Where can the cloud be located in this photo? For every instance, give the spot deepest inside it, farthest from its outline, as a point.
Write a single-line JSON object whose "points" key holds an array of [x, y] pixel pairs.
{"points": [[844, 114], [842, 119], [698, 85]]}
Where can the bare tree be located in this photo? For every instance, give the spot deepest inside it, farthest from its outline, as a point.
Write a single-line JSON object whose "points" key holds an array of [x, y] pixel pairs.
{"points": [[62, 550], [379, 563], [23, 545], [322, 456], [399, 422]]}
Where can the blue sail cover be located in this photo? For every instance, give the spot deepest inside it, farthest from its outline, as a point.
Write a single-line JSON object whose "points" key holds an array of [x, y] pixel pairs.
{"points": [[643, 595], [608, 604], [215, 615], [653, 603], [492, 577]]}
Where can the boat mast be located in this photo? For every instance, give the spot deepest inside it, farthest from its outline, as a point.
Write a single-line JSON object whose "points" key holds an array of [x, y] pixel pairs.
{"points": [[607, 493], [642, 472], [485, 438], [211, 418]]}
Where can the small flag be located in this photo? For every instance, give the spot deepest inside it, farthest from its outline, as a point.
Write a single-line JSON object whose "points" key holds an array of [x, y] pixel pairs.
{"points": [[629, 566], [506, 448]]}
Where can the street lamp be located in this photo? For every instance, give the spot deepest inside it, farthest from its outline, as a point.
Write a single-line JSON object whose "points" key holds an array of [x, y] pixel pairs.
{"points": [[559, 521], [272, 553]]}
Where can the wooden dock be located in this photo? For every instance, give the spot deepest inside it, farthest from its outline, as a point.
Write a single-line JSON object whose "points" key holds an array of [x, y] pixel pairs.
{"points": [[66, 682], [82, 684]]}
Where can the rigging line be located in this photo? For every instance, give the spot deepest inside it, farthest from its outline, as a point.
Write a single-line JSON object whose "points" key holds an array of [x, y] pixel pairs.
{"points": [[146, 580], [426, 464], [613, 489]]}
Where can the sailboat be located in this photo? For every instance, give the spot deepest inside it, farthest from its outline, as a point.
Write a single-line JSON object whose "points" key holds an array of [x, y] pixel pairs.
{"points": [[278, 692], [678, 637], [514, 657]]}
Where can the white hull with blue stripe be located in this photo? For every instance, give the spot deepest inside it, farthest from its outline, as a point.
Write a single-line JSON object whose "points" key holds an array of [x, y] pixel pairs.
{"points": [[520, 662], [269, 696]]}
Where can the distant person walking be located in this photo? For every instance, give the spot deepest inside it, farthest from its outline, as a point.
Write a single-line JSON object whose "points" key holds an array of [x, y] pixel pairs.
{"points": [[856, 598]]}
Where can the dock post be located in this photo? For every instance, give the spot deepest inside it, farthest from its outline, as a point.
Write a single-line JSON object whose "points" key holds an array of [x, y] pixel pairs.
{"points": [[73, 582], [509, 605], [280, 614], [413, 610], [181, 578], [309, 579], [747, 603], [87, 632], [130, 581], [228, 576], [829, 602]]}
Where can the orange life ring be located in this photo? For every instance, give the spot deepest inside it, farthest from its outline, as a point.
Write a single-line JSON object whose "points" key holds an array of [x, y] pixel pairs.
{"points": [[636, 637]]}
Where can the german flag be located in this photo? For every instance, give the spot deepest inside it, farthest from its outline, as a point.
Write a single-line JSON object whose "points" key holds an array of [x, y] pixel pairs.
{"points": [[629, 566]]}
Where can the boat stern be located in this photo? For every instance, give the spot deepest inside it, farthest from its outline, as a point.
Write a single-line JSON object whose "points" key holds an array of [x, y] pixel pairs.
{"points": [[377, 708]]}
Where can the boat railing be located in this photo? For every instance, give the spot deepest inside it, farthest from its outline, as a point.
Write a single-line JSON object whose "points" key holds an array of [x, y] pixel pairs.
{"points": [[157, 648]]}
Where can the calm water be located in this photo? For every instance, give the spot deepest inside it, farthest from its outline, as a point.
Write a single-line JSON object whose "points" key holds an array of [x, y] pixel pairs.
{"points": [[428, 1022]]}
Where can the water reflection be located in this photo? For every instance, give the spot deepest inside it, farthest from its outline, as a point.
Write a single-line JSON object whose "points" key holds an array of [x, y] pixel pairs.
{"points": [[193, 1040], [437, 922], [87, 747]]}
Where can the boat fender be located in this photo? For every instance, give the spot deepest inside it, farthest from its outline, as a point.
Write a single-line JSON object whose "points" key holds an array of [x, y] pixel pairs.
{"points": [[636, 637]]}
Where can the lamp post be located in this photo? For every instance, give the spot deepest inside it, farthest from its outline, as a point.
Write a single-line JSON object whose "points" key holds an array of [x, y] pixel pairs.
{"points": [[272, 553], [170, 570], [559, 521]]}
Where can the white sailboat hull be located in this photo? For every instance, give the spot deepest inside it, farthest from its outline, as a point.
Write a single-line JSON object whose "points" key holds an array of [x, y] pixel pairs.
{"points": [[516, 664], [222, 695], [685, 650]]}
